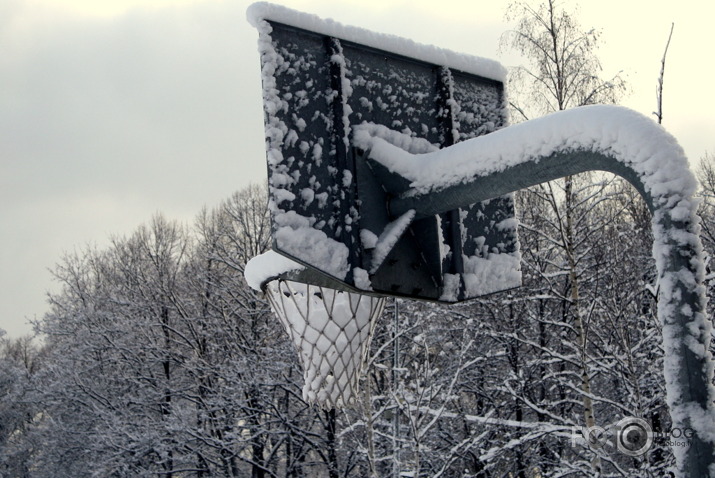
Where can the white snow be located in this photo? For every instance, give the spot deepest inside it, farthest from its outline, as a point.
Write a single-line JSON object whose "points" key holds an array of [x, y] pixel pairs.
{"points": [[450, 290], [388, 238], [485, 276], [281, 195], [368, 239], [308, 195], [317, 153], [267, 266], [314, 247], [622, 133], [258, 12], [364, 132], [347, 178], [361, 279]]}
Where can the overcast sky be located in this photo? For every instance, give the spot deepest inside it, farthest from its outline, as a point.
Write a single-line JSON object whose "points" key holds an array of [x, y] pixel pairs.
{"points": [[111, 111]]}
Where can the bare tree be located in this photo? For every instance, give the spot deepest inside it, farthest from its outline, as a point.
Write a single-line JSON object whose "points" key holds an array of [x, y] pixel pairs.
{"points": [[563, 69], [659, 88], [20, 360], [564, 72]]}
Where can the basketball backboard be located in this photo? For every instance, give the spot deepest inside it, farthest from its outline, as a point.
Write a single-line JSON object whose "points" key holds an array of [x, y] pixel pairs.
{"points": [[323, 84]]}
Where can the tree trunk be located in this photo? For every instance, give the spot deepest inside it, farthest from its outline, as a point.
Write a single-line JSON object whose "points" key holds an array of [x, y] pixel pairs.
{"points": [[588, 411], [330, 423]]}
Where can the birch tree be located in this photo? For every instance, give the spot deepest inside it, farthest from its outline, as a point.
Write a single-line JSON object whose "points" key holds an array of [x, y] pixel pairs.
{"points": [[563, 72]]}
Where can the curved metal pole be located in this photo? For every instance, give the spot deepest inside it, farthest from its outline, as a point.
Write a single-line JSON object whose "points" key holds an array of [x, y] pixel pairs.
{"points": [[520, 176], [632, 146]]}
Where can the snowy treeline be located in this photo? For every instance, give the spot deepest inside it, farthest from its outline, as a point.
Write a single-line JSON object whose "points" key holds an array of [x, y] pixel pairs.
{"points": [[158, 359]]}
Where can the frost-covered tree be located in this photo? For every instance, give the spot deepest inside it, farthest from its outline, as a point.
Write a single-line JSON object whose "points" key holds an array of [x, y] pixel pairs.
{"points": [[161, 361], [706, 176], [584, 323], [563, 70], [114, 395], [20, 360]]}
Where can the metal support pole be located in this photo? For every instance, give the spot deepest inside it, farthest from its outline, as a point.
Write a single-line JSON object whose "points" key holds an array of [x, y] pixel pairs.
{"points": [[677, 248]]}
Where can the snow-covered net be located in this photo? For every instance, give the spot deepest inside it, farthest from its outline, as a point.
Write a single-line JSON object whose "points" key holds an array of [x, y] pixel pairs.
{"points": [[331, 331]]}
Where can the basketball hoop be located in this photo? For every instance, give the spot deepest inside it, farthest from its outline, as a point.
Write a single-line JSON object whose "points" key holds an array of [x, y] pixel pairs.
{"points": [[330, 329], [383, 212]]}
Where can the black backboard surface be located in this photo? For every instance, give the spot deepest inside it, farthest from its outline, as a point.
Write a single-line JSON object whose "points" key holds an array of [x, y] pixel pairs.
{"points": [[329, 202]]}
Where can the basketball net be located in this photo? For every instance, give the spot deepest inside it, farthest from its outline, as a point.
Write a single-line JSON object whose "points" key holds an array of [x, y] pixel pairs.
{"points": [[331, 331]]}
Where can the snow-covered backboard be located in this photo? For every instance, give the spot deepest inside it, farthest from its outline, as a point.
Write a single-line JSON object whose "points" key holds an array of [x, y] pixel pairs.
{"points": [[324, 84]]}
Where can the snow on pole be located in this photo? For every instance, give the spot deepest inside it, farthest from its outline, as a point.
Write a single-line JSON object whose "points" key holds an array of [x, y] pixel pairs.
{"points": [[623, 142]]}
